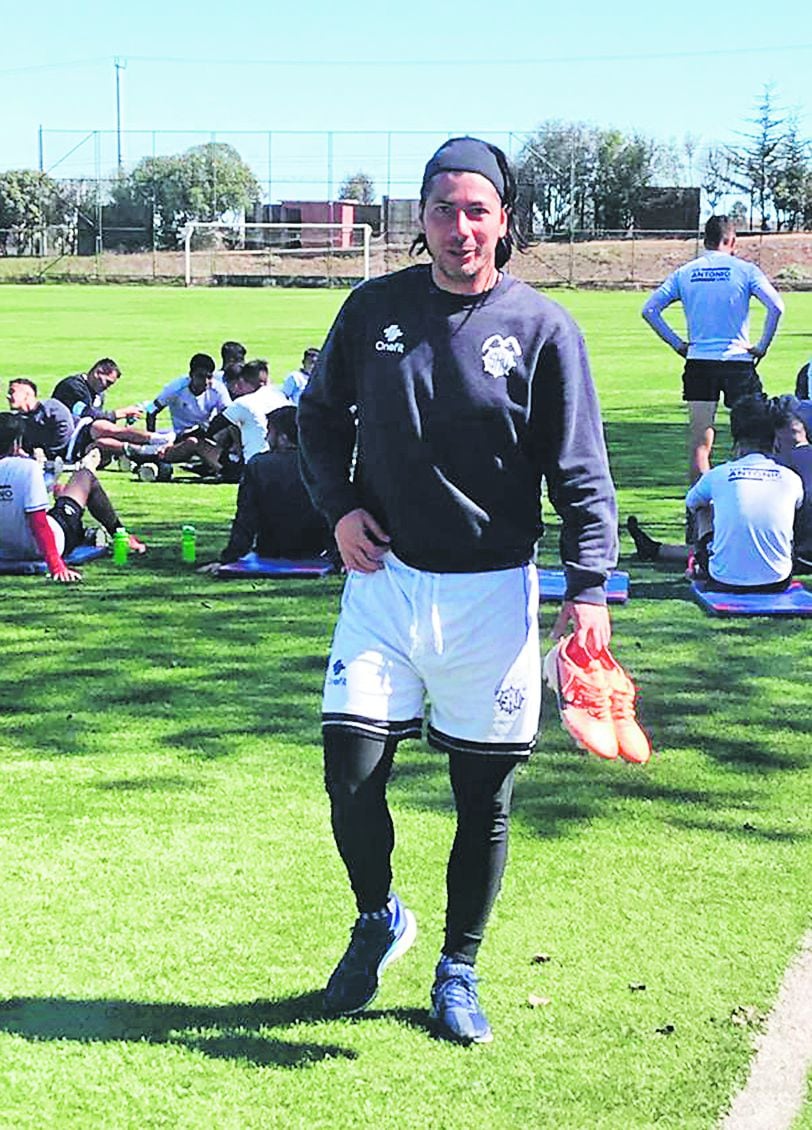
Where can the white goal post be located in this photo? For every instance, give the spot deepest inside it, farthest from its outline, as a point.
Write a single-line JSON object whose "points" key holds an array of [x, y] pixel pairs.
{"points": [[260, 249]]}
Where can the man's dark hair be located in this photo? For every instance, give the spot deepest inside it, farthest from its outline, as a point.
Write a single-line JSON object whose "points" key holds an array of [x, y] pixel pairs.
{"points": [[12, 427], [283, 421], [232, 371], [106, 366], [202, 363], [512, 237], [253, 371], [718, 229], [785, 411], [23, 381], [753, 422], [231, 351]]}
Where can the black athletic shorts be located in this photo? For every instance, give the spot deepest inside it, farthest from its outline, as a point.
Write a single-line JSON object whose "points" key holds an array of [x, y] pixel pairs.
{"points": [[704, 380], [80, 441], [67, 513], [231, 470], [775, 586]]}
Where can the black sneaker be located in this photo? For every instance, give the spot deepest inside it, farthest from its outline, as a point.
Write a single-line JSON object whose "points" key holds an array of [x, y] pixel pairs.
{"points": [[374, 944], [647, 548]]}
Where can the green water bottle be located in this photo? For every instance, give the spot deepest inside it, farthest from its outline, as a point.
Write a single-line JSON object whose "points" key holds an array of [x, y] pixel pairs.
{"points": [[188, 550], [121, 546]]}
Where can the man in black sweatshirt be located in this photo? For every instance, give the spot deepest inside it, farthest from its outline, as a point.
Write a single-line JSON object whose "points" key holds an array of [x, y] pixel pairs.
{"points": [[443, 396], [275, 515]]}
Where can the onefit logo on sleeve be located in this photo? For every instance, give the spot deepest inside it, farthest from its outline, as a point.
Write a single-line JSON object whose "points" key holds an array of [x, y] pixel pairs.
{"points": [[390, 343], [500, 354]]}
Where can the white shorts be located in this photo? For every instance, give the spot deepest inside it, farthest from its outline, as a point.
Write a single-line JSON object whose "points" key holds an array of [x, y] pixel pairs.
{"points": [[468, 641]]}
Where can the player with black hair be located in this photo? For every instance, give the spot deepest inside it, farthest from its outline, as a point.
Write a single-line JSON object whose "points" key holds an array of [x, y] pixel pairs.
{"points": [[275, 515], [296, 381], [96, 426], [793, 449], [745, 510], [715, 292], [442, 397], [48, 423], [29, 531]]}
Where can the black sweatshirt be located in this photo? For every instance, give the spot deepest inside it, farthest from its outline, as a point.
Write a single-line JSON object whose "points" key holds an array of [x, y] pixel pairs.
{"points": [[463, 404], [76, 394], [274, 509]]}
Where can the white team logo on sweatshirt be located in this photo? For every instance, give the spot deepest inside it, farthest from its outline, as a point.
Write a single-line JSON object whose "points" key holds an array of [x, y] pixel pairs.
{"points": [[500, 354], [391, 344]]}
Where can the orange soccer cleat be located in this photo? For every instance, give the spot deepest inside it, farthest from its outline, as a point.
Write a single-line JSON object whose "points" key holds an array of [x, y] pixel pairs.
{"points": [[632, 741], [584, 702]]}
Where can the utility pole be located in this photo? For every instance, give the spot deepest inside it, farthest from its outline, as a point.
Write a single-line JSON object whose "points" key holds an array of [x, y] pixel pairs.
{"points": [[119, 64]]}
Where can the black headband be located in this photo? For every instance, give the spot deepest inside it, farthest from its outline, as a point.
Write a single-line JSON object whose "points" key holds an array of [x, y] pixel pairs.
{"points": [[465, 155]]}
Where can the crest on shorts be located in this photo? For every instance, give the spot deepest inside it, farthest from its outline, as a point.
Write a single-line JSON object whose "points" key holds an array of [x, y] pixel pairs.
{"points": [[510, 700], [499, 355]]}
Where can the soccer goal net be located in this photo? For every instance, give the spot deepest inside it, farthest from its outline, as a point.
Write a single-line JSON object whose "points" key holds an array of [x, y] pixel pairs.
{"points": [[276, 254]]}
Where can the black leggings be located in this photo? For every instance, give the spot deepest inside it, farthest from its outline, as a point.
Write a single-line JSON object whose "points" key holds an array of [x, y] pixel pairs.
{"points": [[356, 770]]}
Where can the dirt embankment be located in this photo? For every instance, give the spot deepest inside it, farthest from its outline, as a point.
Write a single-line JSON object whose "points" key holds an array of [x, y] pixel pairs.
{"points": [[630, 262]]}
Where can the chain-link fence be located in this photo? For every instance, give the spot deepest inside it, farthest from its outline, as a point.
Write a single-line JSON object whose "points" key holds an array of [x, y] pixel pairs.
{"points": [[299, 175], [288, 164], [610, 260]]}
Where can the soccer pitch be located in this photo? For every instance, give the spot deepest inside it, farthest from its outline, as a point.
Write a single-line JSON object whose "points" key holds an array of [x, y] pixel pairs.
{"points": [[171, 899]]}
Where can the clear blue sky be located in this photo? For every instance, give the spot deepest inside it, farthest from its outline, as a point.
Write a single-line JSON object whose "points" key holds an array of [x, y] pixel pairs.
{"points": [[485, 65]]}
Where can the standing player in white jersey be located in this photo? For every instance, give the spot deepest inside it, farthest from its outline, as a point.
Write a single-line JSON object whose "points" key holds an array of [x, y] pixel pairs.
{"points": [[715, 292], [458, 388]]}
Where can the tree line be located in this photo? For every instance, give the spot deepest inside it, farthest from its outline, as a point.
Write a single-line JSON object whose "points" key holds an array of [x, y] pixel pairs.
{"points": [[571, 176]]}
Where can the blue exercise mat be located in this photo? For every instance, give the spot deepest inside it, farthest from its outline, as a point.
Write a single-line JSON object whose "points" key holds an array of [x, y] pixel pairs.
{"points": [[794, 601], [552, 586], [251, 565], [80, 556]]}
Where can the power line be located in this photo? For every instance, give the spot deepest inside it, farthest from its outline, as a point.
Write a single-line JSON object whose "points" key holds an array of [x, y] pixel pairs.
{"points": [[389, 63], [625, 57], [66, 64]]}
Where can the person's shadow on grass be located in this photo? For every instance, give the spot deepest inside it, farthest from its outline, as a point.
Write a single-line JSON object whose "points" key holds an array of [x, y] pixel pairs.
{"points": [[230, 1031]]}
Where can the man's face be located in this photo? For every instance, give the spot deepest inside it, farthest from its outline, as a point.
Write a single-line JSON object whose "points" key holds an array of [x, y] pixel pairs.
{"points": [[309, 362], [789, 437], [462, 221], [100, 382], [20, 397], [239, 387], [199, 381]]}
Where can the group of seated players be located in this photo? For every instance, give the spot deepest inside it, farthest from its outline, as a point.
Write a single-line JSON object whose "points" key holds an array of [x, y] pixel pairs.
{"points": [[752, 516], [227, 423]]}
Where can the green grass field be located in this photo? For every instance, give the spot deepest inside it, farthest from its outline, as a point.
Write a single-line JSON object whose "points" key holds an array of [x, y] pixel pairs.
{"points": [[171, 900]]}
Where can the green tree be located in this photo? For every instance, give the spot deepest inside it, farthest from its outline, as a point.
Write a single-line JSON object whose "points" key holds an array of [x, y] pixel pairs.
{"points": [[623, 167], [754, 164], [357, 186], [204, 183], [29, 201], [553, 175], [791, 180], [715, 177]]}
